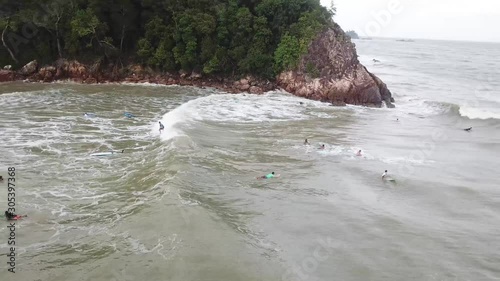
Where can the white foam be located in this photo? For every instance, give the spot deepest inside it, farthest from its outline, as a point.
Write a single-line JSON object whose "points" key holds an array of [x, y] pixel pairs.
{"points": [[478, 113], [404, 160], [173, 120], [144, 84], [418, 106], [270, 107]]}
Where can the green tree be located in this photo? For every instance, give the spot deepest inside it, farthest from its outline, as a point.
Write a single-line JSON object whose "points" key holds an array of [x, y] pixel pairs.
{"points": [[287, 54], [230, 37]]}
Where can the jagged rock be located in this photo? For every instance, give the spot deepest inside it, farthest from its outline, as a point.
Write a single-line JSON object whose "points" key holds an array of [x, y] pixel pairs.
{"points": [[244, 81], [195, 75], [331, 72], [95, 67], [77, 70], [183, 73], [244, 87], [47, 73], [255, 90], [71, 70], [90, 81], [135, 68], [29, 68]]}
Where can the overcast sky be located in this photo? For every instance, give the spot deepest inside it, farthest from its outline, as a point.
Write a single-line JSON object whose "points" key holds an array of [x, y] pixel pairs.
{"points": [[477, 20]]}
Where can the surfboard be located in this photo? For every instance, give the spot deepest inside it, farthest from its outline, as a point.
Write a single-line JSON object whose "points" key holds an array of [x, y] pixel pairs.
{"points": [[102, 154], [107, 153], [275, 176]]}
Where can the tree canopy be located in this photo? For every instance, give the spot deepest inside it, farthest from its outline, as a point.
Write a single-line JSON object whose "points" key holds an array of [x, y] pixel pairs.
{"points": [[261, 37]]}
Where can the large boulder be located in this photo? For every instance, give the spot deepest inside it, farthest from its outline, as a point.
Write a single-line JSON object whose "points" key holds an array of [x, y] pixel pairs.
{"points": [[331, 72], [29, 68]]}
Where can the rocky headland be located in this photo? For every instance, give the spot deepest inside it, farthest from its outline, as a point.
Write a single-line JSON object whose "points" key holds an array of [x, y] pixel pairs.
{"points": [[330, 72]]}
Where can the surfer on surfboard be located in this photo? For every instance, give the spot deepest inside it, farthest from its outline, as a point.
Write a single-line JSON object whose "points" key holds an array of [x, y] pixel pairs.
{"points": [[11, 216], [269, 176], [161, 127], [386, 177]]}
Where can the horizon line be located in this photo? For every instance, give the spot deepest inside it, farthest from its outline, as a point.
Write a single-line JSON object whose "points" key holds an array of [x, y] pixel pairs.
{"points": [[431, 39]]}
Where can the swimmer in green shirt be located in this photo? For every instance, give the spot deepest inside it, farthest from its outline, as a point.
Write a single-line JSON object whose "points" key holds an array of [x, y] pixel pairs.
{"points": [[269, 176]]}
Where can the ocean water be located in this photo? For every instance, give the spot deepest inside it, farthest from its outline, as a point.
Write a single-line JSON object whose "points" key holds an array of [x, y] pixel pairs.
{"points": [[186, 205]]}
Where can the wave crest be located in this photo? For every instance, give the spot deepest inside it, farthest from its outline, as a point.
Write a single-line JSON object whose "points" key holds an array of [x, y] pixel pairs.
{"points": [[477, 113]]}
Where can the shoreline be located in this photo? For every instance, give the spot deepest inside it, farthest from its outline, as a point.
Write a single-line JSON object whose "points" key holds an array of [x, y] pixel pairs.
{"points": [[74, 72], [141, 84], [358, 88]]}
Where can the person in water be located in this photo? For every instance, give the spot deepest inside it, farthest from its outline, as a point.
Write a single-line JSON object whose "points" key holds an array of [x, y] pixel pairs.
{"points": [[161, 127], [468, 129], [306, 142], [11, 216], [322, 146], [269, 176], [359, 153], [1, 179], [384, 174]]}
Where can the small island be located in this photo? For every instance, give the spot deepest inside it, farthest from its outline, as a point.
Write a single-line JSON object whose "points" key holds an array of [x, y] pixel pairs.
{"points": [[352, 34]]}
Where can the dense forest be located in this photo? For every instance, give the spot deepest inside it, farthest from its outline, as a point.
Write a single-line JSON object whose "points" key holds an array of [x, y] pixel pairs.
{"points": [[226, 37]]}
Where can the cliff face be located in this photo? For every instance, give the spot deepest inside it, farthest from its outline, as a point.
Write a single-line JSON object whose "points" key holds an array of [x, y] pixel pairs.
{"points": [[331, 72]]}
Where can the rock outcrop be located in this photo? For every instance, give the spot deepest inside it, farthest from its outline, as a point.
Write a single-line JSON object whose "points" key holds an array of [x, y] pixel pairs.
{"points": [[331, 72]]}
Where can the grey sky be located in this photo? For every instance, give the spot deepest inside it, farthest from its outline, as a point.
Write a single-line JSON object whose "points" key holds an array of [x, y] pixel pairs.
{"points": [[477, 20]]}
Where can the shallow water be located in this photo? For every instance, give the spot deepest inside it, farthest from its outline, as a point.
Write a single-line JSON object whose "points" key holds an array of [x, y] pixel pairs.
{"points": [[186, 205]]}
